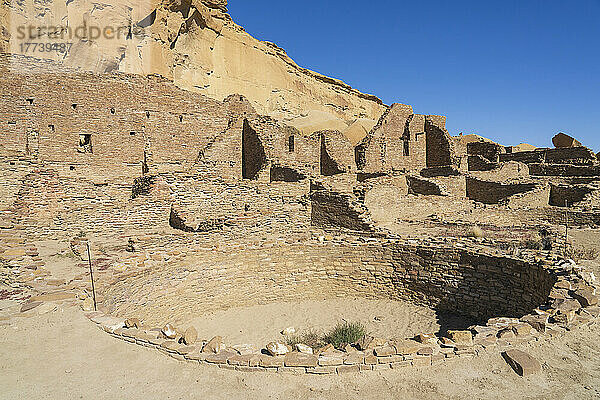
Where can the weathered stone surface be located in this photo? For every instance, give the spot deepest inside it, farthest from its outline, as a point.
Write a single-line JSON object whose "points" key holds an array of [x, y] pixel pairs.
{"points": [[169, 331], [566, 305], [563, 140], [425, 351], [300, 360], [370, 342], [461, 337], [370, 359], [214, 345], [386, 350], [326, 360], [302, 348], [521, 362], [277, 349], [538, 322], [58, 296], [190, 336], [219, 358], [245, 349], [30, 305], [133, 323], [288, 331], [407, 346], [345, 369], [271, 362], [586, 297], [506, 334], [355, 357], [426, 338], [522, 329]]}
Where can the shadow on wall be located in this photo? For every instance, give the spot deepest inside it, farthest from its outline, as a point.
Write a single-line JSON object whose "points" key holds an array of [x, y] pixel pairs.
{"points": [[253, 153], [452, 321]]}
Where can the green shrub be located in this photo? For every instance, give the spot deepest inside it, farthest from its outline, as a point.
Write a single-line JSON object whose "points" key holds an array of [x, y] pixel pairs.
{"points": [[345, 333]]}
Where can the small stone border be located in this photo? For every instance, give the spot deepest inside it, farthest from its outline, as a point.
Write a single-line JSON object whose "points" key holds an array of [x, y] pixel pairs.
{"points": [[573, 301]]}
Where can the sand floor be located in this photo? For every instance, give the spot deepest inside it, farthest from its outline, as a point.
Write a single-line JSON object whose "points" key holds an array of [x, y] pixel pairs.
{"points": [[261, 324], [62, 355]]}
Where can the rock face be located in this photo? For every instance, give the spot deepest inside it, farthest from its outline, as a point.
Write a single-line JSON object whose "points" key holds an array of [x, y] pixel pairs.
{"points": [[562, 140], [197, 45]]}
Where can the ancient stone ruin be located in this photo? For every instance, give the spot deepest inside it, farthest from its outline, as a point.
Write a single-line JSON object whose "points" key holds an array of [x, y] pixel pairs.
{"points": [[194, 203]]}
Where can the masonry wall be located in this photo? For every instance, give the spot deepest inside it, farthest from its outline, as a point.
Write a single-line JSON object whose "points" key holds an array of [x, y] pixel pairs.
{"points": [[45, 114], [494, 192], [396, 143], [479, 286]]}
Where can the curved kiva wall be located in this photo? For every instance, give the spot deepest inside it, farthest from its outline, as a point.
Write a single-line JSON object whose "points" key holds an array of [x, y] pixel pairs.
{"points": [[461, 280]]}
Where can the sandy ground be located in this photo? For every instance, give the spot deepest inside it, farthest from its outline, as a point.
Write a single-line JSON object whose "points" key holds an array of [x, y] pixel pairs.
{"points": [[61, 355], [54, 352], [259, 325]]}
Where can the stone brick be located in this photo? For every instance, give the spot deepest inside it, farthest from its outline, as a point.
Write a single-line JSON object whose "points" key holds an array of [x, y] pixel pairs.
{"points": [[521, 362], [300, 360]]}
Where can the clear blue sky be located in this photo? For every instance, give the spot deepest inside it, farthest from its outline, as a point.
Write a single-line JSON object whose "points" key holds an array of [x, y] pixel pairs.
{"points": [[513, 71]]}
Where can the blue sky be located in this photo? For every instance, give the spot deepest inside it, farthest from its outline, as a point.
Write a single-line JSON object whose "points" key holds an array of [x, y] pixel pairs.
{"points": [[513, 71]]}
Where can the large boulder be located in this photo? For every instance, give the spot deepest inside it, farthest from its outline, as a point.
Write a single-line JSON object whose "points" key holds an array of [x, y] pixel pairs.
{"points": [[563, 140]]}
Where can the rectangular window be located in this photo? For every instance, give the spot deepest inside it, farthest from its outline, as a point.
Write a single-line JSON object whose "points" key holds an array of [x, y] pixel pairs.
{"points": [[85, 143], [291, 144]]}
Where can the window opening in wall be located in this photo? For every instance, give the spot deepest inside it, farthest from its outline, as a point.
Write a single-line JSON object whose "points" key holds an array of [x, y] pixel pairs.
{"points": [[72, 168], [51, 128], [74, 106], [30, 101], [85, 143], [112, 111], [132, 133], [291, 143], [147, 114], [12, 122], [181, 118]]}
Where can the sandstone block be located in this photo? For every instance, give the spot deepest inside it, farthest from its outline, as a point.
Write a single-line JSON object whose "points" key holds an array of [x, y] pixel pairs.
{"points": [[270, 361], [326, 360], [461, 337], [563, 140], [190, 336], [245, 349], [522, 329], [214, 345], [300, 360], [169, 331], [353, 358], [586, 297], [30, 305], [345, 369], [426, 338], [302, 348], [370, 359], [538, 322], [384, 351], [521, 362], [407, 347], [277, 349], [133, 323]]}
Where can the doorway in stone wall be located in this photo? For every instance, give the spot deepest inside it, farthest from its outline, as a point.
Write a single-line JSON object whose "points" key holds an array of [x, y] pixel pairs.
{"points": [[253, 152]]}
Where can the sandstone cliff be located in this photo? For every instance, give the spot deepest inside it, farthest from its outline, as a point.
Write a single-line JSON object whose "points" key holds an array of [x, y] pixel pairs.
{"points": [[197, 45]]}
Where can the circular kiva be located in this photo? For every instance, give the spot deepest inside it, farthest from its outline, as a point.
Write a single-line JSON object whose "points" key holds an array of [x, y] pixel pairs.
{"points": [[514, 300]]}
